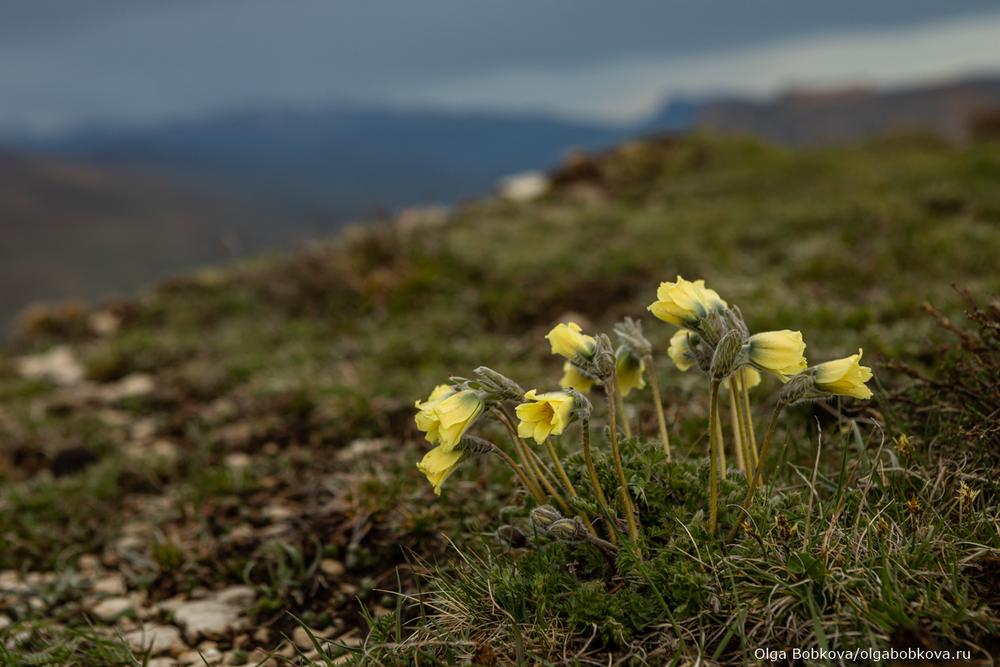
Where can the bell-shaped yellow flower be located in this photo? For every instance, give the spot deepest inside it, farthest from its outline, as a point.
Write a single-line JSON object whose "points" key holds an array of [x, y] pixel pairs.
{"points": [[568, 340], [438, 463], [846, 377], [680, 350], [426, 418], [629, 370], [780, 352], [542, 415], [455, 415], [572, 378], [684, 302]]}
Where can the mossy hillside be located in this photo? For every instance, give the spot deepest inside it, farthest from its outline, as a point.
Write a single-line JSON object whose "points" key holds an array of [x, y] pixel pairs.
{"points": [[295, 360]]}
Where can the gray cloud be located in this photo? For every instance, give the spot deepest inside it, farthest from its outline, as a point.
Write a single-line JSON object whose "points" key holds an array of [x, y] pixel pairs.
{"points": [[63, 61]]}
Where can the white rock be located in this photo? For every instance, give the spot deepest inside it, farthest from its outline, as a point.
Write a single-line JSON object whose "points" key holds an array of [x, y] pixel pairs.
{"points": [[111, 584], [207, 618], [525, 186], [109, 610], [154, 638], [58, 365], [237, 596], [161, 662]]}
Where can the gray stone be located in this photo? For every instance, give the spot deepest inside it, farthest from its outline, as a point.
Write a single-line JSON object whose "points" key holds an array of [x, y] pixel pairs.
{"points": [[110, 609], [155, 638], [207, 618]]}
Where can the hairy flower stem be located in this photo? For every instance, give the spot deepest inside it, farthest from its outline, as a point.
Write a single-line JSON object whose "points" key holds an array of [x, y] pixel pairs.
{"points": [[522, 453], [542, 471], [747, 417], [758, 475], [595, 481], [517, 470], [658, 404], [722, 443], [740, 446], [741, 424], [610, 387], [713, 449], [621, 408], [554, 455]]}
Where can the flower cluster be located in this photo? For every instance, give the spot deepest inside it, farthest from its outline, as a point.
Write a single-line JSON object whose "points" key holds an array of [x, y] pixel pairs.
{"points": [[712, 336]]}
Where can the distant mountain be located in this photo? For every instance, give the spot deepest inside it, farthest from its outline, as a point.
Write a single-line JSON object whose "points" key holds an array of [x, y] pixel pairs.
{"points": [[344, 161], [72, 230], [824, 117]]}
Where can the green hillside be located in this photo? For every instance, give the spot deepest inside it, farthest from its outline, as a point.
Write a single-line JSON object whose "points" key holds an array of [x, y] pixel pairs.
{"points": [[254, 426]]}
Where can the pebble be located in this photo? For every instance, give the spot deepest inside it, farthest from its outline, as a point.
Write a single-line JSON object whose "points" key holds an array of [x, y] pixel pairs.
{"points": [[207, 618], [110, 609], [111, 584], [157, 638]]}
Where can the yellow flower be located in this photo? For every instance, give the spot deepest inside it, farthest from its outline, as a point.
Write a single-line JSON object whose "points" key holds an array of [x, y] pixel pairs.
{"points": [[438, 463], [844, 376], [684, 303], [680, 350], [455, 415], [629, 370], [780, 352], [542, 415], [426, 419], [574, 379], [568, 341]]}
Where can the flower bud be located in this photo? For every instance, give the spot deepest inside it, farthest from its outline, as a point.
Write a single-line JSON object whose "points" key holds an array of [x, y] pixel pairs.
{"points": [[727, 355], [629, 332], [798, 388], [567, 530], [604, 357], [498, 385], [512, 536], [544, 516]]}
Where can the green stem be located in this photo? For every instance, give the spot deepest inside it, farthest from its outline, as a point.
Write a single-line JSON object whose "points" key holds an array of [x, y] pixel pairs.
{"points": [[561, 471], [661, 421], [621, 409], [747, 417], [737, 426], [722, 442], [522, 453], [595, 481], [516, 468], [713, 448], [610, 386]]}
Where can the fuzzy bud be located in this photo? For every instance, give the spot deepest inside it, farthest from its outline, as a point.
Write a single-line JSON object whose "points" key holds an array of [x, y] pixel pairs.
{"points": [[799, 388], [499, 386], [727, 355], [629, 332], [512, 536], [544, 516], [713, 327], [582, 407], [604, 358], [567, 530]]}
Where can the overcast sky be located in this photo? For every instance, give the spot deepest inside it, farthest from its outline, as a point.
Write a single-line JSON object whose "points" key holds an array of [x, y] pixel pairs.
{"points": [[68, 61]]}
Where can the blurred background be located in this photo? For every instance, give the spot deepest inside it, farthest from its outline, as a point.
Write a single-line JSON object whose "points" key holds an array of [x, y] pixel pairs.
{"points": [[140, 139]]}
